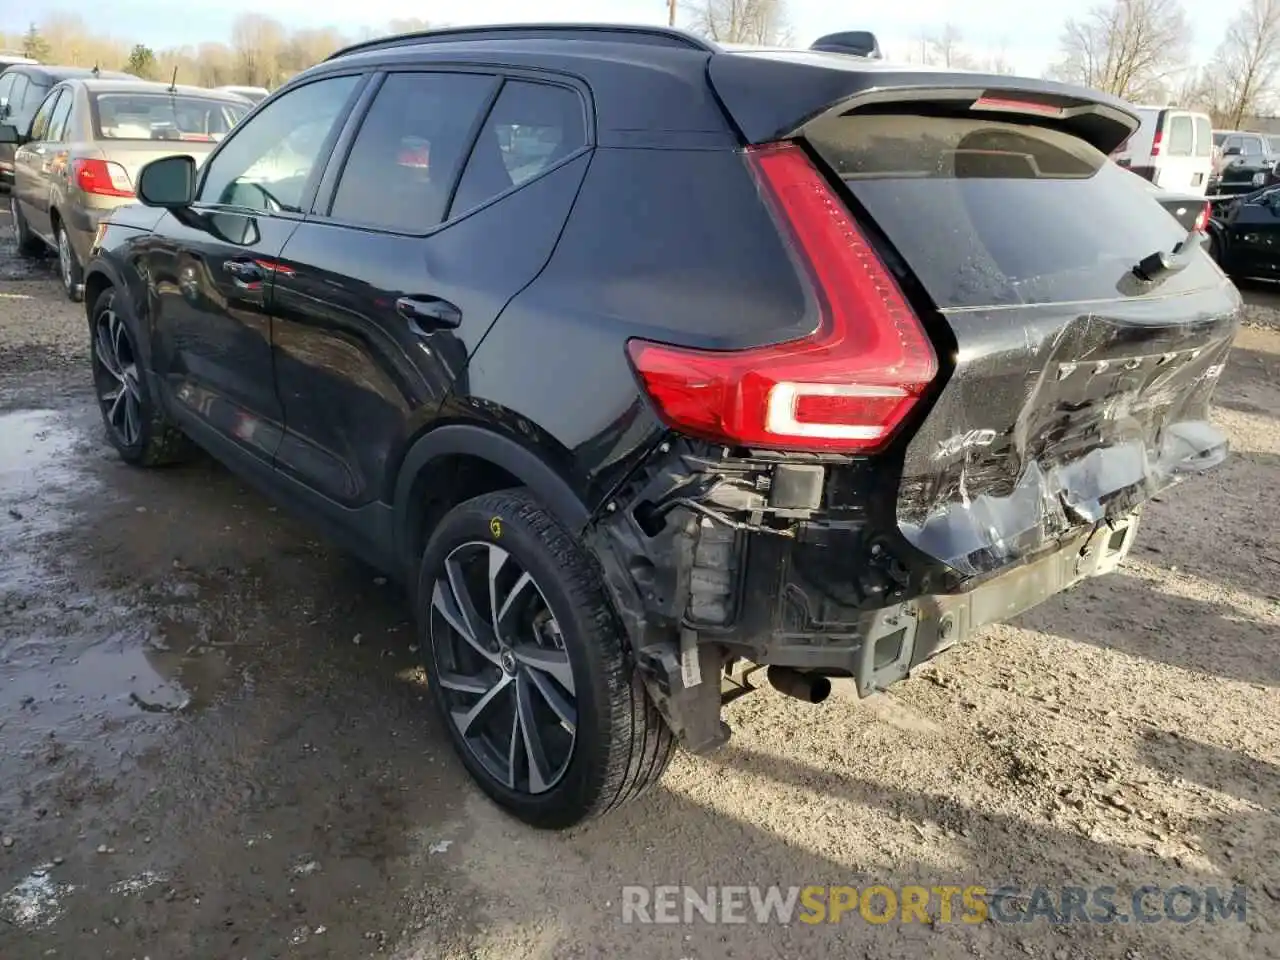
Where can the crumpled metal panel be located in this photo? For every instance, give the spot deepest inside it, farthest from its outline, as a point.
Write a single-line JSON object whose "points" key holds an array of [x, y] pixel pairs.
{"points": [[1055, 419]]}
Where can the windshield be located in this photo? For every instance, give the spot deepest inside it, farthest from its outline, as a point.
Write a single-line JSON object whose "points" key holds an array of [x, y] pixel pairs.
{"points": [[163, 116]]}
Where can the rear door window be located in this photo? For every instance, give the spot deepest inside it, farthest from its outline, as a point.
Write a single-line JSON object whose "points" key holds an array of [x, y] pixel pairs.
{"points": [[1181, 136], [58, 119], [990, 213], [411, 144], [1204, 137], [40, 124]]}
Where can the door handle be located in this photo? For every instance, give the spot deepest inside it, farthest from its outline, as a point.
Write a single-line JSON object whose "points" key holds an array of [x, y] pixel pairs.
{"points": [[428, 313], [244, 272]]}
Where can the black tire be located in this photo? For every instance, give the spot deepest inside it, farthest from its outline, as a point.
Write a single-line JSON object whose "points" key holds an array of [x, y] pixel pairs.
{"points": [[146, 438], [70, 270], [620, 743], [29, 244]]}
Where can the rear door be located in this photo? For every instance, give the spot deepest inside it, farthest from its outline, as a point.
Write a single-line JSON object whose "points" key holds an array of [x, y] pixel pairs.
{"points": [[450, 200], [31, 170], [1077, 387], [52, 169]]}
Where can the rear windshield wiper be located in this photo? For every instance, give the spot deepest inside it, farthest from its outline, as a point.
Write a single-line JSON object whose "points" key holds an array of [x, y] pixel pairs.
{"points": [[1165, 263]]}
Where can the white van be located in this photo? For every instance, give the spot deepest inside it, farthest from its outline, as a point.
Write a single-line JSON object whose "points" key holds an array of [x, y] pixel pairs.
{"points": [[1172, 148]]}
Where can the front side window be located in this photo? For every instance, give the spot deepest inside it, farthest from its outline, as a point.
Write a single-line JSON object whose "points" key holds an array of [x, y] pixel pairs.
{"points": [[406, 156], [159, 116], [40, 124], [267, 164]]}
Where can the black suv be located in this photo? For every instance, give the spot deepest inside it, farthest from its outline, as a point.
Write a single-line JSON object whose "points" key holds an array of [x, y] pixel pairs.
{"points": [[643, 362]]}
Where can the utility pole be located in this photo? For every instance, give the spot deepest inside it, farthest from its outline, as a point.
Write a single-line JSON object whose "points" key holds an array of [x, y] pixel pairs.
{"points": [[671, 13]]}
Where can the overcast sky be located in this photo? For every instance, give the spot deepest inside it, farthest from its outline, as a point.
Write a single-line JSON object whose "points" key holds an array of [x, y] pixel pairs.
{"points": [[1029, 35]]}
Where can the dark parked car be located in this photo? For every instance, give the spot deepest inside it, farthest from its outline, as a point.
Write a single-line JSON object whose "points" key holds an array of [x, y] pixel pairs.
{"points": [[23, 88], [1248, 163], [637, 360], [1245, 234]]}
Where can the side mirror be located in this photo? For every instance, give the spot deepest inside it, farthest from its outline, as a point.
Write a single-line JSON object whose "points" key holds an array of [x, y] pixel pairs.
{"points": [[1233, 152], [169, 182], [9, 133]]}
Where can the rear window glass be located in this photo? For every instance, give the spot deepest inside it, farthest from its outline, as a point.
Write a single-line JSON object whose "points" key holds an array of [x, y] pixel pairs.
{"points": [[1181, 137], [159, 116], [992, 213], [1204, 137]]}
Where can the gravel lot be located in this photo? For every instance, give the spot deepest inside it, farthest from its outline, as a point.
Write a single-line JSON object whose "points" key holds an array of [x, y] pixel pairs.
{"points": [[213, 740]]}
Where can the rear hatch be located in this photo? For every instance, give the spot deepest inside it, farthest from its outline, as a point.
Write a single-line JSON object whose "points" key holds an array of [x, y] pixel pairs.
{"points": [[1072, 387]]}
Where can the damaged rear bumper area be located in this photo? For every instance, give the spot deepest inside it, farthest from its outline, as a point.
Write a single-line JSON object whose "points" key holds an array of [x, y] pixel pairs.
{"points": [[712, 562]]}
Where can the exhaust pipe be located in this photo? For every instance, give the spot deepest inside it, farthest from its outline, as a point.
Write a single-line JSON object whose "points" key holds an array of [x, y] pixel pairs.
{"points": [[809, 687]]}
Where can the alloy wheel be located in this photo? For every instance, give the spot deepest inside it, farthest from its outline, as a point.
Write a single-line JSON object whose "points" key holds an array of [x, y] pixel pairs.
{"points": [[116, 377], [502, 667]]}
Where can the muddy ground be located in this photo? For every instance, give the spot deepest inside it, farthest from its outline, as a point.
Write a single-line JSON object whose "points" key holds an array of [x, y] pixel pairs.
{"points": [[214, 743]]}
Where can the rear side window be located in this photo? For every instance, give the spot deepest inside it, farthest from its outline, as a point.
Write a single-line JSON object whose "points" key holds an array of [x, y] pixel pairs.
{"points": [[531, 127], [405, 158], [1181, 136], [992, 213], [1204, 137]]}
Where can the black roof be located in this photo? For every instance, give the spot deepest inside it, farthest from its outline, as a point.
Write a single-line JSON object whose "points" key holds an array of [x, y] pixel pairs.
{"points": [[56, 74], [599, 32]]}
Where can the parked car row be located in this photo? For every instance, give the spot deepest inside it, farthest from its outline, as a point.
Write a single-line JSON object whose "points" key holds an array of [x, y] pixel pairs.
{"points": [[72, 142]]}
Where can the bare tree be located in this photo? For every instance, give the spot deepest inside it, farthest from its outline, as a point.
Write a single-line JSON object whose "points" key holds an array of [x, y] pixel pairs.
{"points": [[1126, 47], [742, 21], [1241, 80], [945, 49]]}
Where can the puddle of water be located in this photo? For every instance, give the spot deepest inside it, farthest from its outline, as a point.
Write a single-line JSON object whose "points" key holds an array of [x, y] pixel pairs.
{"points": [[122, 677]]}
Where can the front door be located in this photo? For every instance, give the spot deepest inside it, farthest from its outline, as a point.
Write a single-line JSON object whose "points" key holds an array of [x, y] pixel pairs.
{"points": [[437, 220], [212, 267]]}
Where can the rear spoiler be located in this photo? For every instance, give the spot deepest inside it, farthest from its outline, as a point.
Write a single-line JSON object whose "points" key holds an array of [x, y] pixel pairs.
{"points": [[773, 95]]}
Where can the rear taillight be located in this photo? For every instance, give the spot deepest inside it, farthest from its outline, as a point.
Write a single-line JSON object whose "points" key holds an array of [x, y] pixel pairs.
{"points": [[1202, 219], [843, 388], [102, 177], [1157, 142]]}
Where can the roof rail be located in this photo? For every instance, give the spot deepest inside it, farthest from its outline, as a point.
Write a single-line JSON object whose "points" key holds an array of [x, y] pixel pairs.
{"points": [[624, 33]]}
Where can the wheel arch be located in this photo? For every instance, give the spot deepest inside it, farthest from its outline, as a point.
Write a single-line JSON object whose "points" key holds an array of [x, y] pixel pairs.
{"points": [[457, 461]]}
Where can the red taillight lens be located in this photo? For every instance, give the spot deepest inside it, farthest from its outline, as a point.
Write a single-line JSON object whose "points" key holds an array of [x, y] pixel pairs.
{"points": [[1202, 220], [103, 178], [843, 388], [1157, 142]]}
